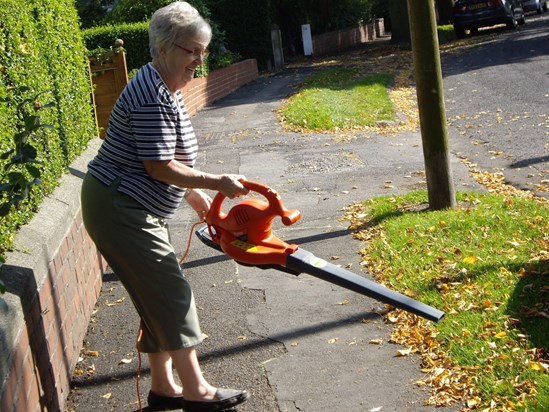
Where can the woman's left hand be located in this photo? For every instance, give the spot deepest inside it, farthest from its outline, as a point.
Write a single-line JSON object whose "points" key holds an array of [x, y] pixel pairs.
{"points": [[200, 202]]}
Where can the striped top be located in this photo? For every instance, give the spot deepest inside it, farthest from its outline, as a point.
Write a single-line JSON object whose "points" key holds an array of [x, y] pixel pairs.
{"points": [[146, 123]]}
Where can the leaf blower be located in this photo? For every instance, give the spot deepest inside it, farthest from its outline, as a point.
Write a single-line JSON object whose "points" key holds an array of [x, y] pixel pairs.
{"points": [[245, 235]]}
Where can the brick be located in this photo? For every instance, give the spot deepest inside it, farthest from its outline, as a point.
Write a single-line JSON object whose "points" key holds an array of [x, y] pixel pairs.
{"points": [[33, 393], [20, 402], [9, 394], [28, 378]]}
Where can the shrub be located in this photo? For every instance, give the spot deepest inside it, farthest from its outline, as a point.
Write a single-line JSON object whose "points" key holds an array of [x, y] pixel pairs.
{"points": [[445, 34], [134, 35], [129, 21], [41, 52], [247, 26]]}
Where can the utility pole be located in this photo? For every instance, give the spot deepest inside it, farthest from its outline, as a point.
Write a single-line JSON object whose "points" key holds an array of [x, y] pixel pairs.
{"points": [[432, 113]]}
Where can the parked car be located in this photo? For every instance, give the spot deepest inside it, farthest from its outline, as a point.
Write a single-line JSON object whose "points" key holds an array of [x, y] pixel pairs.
{"points": [[535, 5], [473, 14]]}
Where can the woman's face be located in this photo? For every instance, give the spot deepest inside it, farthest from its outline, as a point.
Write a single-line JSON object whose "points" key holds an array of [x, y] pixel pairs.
{"points": [[183, 59]]}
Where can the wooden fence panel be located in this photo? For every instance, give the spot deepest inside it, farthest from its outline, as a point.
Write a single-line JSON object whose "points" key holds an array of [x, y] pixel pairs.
{"points": [[109, 77]]}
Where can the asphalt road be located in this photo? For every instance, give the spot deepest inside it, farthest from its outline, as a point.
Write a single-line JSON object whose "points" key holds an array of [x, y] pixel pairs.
{"points": [[497, 101]]}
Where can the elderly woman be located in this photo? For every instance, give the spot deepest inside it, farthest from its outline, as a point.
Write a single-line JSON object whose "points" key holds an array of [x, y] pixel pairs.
{"points": [[141, 173]]}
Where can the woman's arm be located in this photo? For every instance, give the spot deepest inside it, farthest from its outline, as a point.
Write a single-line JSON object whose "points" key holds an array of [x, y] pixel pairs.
{"points": [[176, 173]]}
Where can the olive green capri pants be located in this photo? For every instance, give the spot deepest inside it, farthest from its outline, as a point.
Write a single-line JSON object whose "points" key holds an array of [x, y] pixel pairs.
{"points": [[136, 246]]}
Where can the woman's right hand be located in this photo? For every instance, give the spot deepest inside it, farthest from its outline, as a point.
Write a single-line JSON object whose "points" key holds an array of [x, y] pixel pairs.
{"points": [[231, 186]]}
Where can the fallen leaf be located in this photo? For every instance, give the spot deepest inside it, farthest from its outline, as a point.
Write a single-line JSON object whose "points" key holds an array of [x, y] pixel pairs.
{"points": [[115, 302], [376, 341], [107, 395], [333, 340], [392, 318], [500, 335], [539, 366], [91, 353], [404, 352], [471, 403], [470, 259], [125, 361]]}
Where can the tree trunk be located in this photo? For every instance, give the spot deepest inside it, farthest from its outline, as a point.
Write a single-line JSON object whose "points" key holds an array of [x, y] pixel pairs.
{"points": [[400, 26], [432, 113]]}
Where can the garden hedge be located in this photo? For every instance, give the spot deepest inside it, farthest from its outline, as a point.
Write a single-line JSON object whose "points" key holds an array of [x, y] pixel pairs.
{"points": [[134, 35], [136, 44], [41, 48]]}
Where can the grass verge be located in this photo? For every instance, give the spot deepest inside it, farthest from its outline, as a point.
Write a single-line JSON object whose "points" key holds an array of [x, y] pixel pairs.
{"points": [[486, 265], [339, 98]]}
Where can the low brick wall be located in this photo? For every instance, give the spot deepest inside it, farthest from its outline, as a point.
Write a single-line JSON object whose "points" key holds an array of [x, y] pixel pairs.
{"points": [[53, 279], [218, 84], [332, 42]]}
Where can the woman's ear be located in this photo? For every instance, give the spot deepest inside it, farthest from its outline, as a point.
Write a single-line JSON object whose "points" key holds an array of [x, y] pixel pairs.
{"points": [[162, 51]]}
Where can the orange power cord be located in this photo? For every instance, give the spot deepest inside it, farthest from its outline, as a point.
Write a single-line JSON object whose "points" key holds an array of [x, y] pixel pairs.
{"points": [[140, 333]]}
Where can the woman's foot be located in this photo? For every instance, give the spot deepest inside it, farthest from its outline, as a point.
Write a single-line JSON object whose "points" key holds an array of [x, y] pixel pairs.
{"points": [[222, 400], [165, 403]]}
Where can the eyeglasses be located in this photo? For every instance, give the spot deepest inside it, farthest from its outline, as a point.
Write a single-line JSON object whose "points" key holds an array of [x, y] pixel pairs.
{"points": [[194, 53]]}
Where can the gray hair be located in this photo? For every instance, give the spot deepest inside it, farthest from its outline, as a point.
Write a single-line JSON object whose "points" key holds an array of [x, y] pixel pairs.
{"points": [[173, 22]]}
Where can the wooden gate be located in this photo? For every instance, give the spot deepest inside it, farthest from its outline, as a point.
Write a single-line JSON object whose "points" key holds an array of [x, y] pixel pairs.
{"points": [[109, 77]]}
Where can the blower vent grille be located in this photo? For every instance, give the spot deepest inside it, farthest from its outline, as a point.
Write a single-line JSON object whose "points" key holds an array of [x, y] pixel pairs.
{"points": [[241, 216]]}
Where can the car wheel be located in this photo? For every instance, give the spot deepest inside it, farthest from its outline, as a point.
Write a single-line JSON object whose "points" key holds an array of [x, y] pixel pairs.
{"points": [[512, 24], [522, 20]]}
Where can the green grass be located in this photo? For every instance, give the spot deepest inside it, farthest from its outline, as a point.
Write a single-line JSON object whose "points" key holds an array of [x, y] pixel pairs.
{"points": [[445, 33], [486, 265], [339, 98]]}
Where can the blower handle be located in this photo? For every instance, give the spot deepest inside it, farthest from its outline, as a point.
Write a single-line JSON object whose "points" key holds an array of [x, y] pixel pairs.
{"points": [[276, 207]]}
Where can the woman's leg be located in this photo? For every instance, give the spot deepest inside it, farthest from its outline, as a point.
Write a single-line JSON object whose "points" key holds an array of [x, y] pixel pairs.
{"points": [[195, 386], [162, 379], [137, 247]]}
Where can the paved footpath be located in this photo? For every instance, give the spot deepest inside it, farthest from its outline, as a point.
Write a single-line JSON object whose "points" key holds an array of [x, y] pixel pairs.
{"points": [[296, 343]]}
